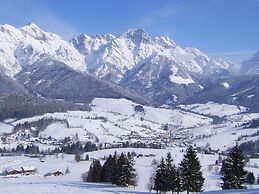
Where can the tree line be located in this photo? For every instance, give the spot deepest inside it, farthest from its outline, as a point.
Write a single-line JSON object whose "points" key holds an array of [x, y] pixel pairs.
{"points": [[119, 170]]}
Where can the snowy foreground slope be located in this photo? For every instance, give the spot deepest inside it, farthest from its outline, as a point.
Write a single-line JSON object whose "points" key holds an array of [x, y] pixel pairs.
{"points": [[71, 183], [249, 191]]}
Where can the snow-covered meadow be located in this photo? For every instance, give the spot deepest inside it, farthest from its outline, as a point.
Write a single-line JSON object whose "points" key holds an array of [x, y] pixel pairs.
{"points": [[72, 183]]}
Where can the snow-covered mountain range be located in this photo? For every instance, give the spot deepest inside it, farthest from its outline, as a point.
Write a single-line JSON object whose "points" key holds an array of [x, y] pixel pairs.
{"points": [[140, 66], [110, 57], [156, 68]]}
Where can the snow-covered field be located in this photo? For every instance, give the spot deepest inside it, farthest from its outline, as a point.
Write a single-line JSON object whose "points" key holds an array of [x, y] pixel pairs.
{"points": [[71, 183], [5, 128], [214, 109]]}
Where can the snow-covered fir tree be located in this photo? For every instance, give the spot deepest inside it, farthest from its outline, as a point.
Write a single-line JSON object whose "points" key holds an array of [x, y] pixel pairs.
{"points": [[160, 177], [170, 173], [95, 170], [190, 171], [234, 174], [250, 178], [131, 172], [108, 169], [178, 186], [124, 174]]}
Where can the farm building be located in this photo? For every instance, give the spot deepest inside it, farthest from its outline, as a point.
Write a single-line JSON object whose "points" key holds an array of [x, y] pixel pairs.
{"points": [[29, 170], [12, 171], [26, 170]]}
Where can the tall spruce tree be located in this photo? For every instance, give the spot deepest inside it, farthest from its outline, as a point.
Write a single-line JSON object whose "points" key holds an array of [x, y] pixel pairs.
{"points": [[122, 171], [234, 175], [170, 173], [87, 177], [95, 170], [221, 172], [131, 172], [250, 179], [108, 169], [190, 171], [178, 185], [116, 169], [160, 177]]}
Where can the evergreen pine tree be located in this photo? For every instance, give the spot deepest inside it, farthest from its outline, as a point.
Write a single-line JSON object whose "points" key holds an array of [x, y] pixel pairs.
{"points": [[121, 171], [150, 185], [67, 170], [190, 172], [234, 175], [115, 172], [160, 177], [170, 173], [108, 169], [77, 158], [87, 177], [178, 186], [250, 179], [94, 174], [222, 170], [131, 172]]}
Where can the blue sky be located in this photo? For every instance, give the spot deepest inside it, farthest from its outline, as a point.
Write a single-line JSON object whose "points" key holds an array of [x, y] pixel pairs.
{"points": [[226, 28]]}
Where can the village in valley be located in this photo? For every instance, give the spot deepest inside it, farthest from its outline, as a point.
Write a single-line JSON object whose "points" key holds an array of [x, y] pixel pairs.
{"points": [[33, 149]]}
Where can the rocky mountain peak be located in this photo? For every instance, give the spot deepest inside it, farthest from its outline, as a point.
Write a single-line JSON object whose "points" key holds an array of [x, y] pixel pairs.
{"points": [[136, 35]]}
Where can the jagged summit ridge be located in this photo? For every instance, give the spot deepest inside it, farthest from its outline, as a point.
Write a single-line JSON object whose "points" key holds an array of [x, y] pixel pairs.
{"points": [[110, 57], [24, 46]]}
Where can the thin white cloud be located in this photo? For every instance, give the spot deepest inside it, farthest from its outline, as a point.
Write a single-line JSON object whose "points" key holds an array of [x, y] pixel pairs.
{"points": [[23, 12], [235, 56], [158, 18], [162, 13]]}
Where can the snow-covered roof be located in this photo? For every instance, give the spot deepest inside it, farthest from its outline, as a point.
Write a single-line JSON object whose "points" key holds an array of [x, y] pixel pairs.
{"points": [[28, 168], [10, 169], [54, 171]]}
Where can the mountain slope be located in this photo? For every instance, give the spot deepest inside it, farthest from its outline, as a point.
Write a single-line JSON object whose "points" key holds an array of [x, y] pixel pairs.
{"points": [[154, 79], [240, 90], [251, 66], [54, 79], [10, 86], [17, 102]]}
